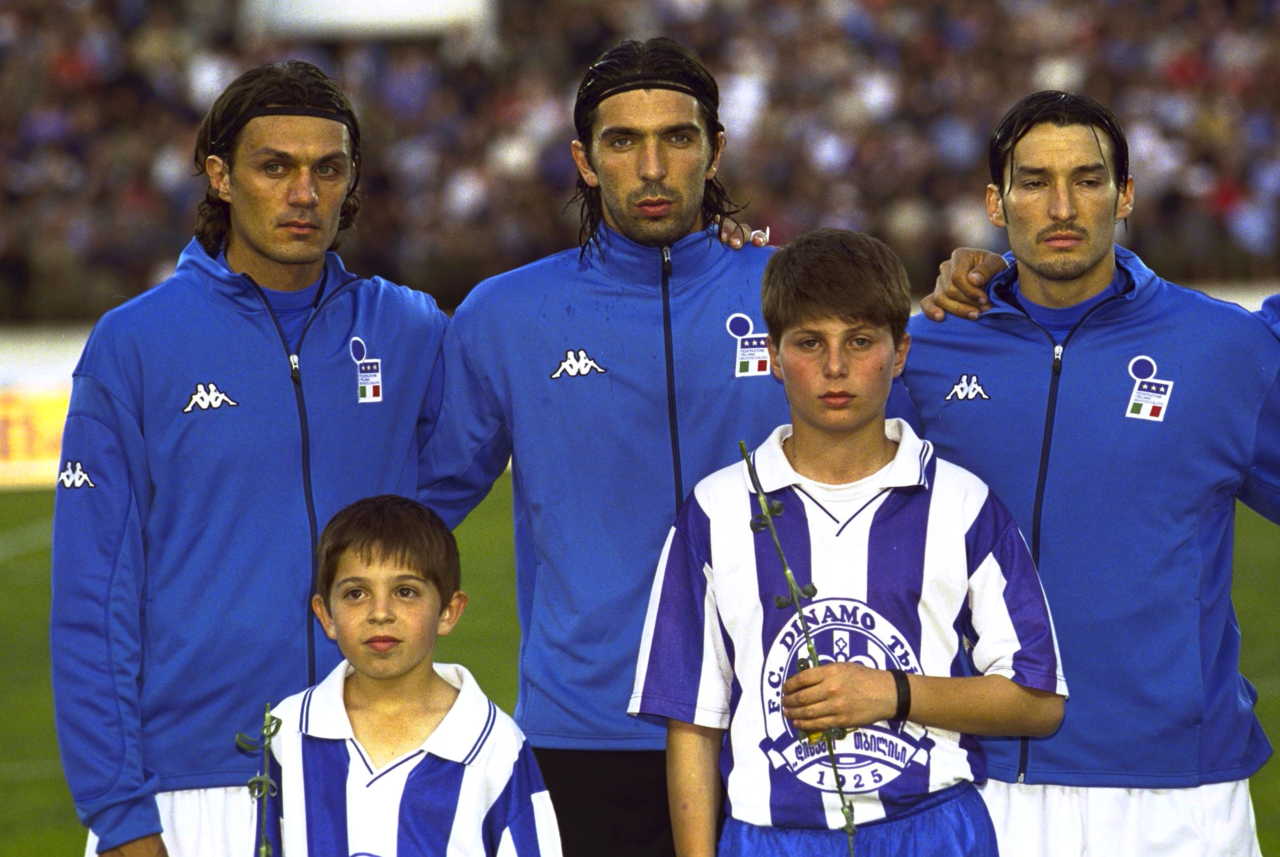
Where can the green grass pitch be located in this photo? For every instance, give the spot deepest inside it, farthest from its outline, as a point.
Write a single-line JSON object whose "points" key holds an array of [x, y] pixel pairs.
{"points": [[36, 817]]}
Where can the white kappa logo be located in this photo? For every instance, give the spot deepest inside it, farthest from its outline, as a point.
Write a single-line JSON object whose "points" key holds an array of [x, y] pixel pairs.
{"points": [[967, 388], [76, 478], [844, 630], [204, 399], [1150, 397], [577, 364]]}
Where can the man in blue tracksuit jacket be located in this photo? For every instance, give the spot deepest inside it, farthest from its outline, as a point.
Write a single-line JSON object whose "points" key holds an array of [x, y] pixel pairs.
{"points": [[1120, 427], [614, 378], [216, 423]]}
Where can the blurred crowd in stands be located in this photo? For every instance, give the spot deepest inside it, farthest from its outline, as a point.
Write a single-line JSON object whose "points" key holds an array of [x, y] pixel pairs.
{"points": [[865, 114]]}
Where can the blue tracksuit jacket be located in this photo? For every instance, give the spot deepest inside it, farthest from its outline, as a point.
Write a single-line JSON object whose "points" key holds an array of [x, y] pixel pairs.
{"points": [[1123, 473], [202, 459], [614, 384]]}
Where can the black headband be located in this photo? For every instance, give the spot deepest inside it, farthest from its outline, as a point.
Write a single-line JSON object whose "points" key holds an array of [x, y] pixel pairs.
{"points": [[229, 133], [588, 101]]}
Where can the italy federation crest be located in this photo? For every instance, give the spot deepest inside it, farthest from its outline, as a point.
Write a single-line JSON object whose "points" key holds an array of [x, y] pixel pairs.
{"points": [[753, 348], [368, 373], [843, 630], [1150, 399]]}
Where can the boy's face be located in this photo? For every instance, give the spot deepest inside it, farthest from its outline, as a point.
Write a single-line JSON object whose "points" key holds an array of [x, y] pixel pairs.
{"points": [[837, 374], [385, 618]]}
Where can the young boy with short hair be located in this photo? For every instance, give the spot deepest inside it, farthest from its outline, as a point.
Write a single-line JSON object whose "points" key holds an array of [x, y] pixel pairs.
{"points": [[929, 620], [393, 754]]}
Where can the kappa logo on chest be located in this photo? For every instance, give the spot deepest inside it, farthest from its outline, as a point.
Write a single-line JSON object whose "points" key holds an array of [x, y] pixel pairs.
{"points": [[575, 364], [967, 387], [208, 396]]}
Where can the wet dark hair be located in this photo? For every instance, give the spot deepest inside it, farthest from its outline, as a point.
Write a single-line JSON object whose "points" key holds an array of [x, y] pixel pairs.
{"points": [[661, 63], [834, 273], [391, 529], [1060, 108], [295, 84]]}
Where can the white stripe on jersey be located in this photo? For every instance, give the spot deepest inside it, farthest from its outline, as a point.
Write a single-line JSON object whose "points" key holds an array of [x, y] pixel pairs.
{"points": [[893, 582]]}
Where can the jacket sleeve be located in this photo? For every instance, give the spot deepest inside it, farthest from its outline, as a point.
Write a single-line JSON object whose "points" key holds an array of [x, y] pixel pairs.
{"points": [[429, 416], [1261, 488], [1270, 313], [97, 606], [471, 444], [522, 823]]}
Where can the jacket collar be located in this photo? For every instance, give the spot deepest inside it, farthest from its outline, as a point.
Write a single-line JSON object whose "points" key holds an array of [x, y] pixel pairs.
{"points": [[618, 257], [1138, 284], [205, 272], [907, 470], [458, 738]]}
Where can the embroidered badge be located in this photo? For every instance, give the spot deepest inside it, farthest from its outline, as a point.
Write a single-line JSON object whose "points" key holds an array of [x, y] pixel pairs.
{"points": [[75, 478], [967, 388], [1150, 399], [368, 373], [577, 364], [753, 348], [844, 630], [208, 396]]}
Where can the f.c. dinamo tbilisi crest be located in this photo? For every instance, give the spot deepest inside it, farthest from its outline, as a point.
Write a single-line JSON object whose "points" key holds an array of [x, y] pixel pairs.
{"points": [[844, 630]]}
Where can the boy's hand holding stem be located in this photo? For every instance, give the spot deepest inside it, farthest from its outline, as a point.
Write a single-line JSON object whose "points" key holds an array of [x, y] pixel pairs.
{"points": [[839, 696], [851, 696]]}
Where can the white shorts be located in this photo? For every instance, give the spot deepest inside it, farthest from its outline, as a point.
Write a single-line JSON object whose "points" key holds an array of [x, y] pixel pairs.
{"points": [[1056, 821], [203, 823]]}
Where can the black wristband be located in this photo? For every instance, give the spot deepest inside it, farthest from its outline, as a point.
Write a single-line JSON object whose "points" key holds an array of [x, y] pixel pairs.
{"points": [[904, 695]]}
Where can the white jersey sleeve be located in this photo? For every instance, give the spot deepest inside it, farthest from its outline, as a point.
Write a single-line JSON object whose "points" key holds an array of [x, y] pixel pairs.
{"points": [[684, 669]]}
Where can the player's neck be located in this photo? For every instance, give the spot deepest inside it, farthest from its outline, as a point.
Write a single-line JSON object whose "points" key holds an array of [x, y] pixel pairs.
{"points": [[838, 458], [393, 716], [268, 273], [1059, 294]]}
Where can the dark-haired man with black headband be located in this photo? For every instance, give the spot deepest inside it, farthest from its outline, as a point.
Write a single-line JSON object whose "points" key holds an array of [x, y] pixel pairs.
{"points": [[614, 376], [216, 423]]}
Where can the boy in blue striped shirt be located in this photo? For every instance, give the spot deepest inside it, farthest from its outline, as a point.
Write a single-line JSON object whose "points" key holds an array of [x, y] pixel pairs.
{"points": [[928, 619], [394, 755]]}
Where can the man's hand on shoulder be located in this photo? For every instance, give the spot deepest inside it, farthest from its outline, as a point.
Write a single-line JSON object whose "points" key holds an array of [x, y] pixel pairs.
{"points": [[737, 235], [147, 846], [961, 287], [839, 695]]}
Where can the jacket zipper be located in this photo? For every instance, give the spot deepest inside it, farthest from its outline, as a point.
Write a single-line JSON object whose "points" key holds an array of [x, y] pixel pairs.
{"points": [[671, 374], [295, 375], [1042, 476]]}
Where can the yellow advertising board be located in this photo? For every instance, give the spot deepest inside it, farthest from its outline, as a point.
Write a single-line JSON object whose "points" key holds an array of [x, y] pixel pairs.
{"points": [[35, 387], [31, 436]]}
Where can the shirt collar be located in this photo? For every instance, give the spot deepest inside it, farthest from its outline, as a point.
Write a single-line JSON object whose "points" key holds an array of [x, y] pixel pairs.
{"points": [[205, 271], [1135, 283], [907, 470], [691, 256], [469, 723], [458, 738]]}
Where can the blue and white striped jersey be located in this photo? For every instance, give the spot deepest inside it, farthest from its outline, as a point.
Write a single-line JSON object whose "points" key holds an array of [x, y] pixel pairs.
{"points": [[927, 573], [472, 788]]}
